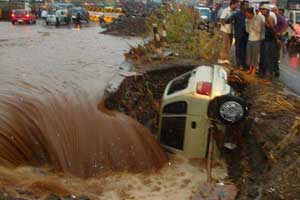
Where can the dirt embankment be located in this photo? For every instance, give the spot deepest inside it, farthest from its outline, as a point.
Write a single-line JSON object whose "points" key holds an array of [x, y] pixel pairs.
{"points": [[271, 170], [127, 26], [265, 164]]}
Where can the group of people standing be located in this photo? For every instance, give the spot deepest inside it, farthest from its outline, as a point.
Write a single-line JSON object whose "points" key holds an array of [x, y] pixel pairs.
{"points": [[258, 35]]}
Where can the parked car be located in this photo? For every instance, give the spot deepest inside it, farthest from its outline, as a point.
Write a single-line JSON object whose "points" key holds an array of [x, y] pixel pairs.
{"points": [[83, 14], [61, 14], [22, 16], [204, 12], [194, 102]]}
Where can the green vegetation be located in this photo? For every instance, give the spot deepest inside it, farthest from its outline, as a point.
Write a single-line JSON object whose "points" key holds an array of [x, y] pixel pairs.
{"points": [[183, 34]]}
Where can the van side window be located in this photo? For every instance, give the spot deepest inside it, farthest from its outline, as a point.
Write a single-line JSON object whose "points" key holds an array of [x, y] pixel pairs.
{"points": [[179, 107]]}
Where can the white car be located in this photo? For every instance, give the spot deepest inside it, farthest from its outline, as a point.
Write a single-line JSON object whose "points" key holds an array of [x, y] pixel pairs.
{"points": [[204, 13], [194, 102], [62, 15]]}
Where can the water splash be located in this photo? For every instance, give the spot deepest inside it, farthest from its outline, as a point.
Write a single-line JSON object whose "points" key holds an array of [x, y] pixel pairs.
{"points": [[42, 125]]}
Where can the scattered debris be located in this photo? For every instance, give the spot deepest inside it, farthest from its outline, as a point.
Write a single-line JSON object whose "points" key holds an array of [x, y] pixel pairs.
{"points": [[229, 145]]}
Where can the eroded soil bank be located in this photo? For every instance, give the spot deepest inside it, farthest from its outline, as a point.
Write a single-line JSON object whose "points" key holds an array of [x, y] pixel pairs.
{"points": [[265, 164], [127, 26]]}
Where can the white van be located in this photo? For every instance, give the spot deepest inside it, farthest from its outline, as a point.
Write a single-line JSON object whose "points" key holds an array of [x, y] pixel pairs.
{"points": [[192, 103]]}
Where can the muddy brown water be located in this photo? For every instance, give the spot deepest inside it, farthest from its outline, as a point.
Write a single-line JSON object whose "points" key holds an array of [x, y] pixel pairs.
{"points": [[67, 131]]}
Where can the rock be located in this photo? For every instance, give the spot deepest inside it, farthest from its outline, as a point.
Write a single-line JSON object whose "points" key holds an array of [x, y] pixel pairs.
{"points": [[73, 197], [83, 197], [22, 191], [263, 114], [257, 120], [53, 197]]}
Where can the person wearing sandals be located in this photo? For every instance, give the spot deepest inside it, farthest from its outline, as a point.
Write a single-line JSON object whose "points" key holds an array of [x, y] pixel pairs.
{"points": [[254, 26]]}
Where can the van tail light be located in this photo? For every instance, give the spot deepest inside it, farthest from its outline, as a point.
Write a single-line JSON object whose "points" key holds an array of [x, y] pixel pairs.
{"points": [[27, 15], [204, 88], [12, 15]]}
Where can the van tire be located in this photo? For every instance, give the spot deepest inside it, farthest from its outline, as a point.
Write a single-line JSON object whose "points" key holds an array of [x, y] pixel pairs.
{"points": [[217, 109], [237, 82]]}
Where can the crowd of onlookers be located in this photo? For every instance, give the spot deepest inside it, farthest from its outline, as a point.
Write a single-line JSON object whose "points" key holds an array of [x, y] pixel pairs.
{"points": [[258, 36]]}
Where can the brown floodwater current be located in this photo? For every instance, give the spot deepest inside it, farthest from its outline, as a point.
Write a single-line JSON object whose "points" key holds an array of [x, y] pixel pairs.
{"points": [[70, 133]]}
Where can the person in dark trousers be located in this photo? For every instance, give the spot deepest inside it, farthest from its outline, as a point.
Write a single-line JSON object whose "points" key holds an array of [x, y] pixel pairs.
{"points": [[280, 28], [226, 32], [261, 69], [270, 43], [238, 19], [78, 19]]}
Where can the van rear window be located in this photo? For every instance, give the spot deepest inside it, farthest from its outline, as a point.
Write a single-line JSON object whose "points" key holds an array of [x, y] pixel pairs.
{"points": [[180, 83]]}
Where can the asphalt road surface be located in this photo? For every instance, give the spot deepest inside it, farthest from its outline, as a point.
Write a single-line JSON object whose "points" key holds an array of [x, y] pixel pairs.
{"points": [[290, 71]]}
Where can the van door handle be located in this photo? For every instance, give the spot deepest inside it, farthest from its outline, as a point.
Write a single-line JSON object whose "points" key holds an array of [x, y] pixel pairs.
{"points": [[194, 125]]}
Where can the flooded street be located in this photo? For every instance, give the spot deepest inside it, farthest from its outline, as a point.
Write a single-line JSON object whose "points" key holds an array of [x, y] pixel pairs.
{"points": [[290, 71], [66, 57]]}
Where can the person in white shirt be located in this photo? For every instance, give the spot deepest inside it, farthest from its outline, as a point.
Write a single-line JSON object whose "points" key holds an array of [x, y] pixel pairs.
{"points": [[254, 26], [44, 15], [261, 53], [58, 14], [226, 30]]}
